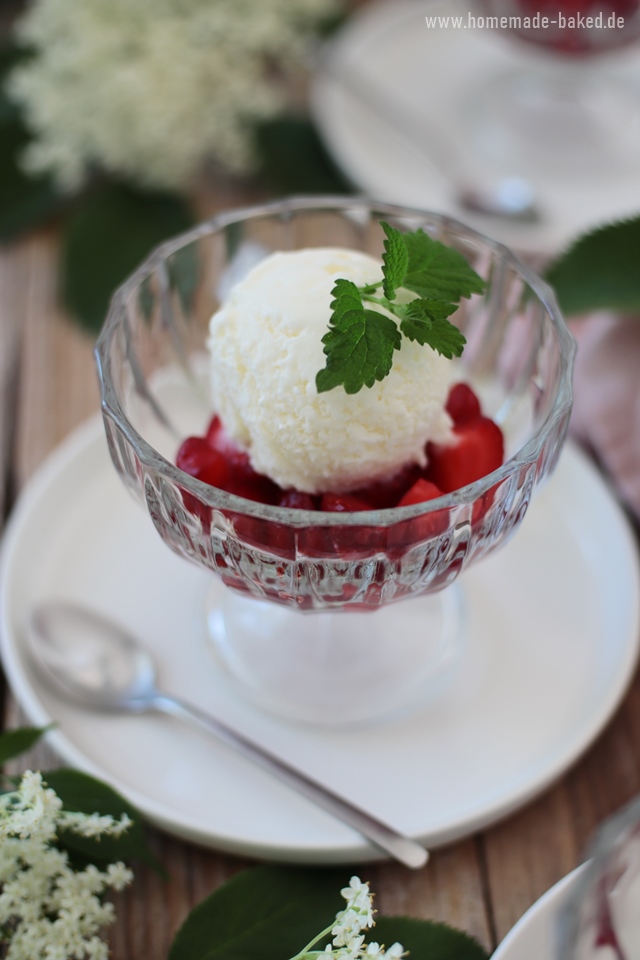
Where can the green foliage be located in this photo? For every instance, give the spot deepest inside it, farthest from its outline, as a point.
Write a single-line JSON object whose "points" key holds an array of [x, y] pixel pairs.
{"points": [[106, 237], [424, 940], [265, 913], [15, 742], [600, 270], [270, 913], [360, 343], [359, 348], [293, 158], [84, 794], [426, 322], [395, 260], [435, 270]]}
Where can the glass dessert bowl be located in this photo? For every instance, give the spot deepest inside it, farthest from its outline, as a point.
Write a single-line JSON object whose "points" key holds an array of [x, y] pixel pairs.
{"points": [[302, 611]]}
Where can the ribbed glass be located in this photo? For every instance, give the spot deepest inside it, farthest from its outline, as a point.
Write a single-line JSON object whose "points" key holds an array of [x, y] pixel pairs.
{"points": [[151, 358]]}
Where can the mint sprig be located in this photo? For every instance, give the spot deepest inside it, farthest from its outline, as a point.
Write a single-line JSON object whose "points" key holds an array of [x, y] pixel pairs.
{"points": [[361, 341]]}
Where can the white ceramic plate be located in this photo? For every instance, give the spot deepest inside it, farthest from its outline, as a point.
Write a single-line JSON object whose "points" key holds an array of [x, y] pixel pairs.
{"points": [[553, 642], [428, 76], [533, 936]]}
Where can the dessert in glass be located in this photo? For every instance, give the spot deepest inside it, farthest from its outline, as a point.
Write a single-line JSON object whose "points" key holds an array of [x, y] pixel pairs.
{"points": [[328, 614]]}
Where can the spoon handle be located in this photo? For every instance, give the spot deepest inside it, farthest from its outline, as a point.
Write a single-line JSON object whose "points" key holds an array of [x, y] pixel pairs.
{"points": [[402, 848]]}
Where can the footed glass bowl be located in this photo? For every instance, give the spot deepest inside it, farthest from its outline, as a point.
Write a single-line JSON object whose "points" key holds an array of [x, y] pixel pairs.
{"points": [[286, 578]]}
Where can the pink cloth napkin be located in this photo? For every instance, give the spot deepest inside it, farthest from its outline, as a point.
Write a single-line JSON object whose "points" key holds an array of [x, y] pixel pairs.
{"points": [[606, 412]]}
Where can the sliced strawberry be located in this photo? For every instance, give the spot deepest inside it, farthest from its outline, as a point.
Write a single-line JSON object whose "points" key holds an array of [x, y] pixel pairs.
{"points": [[197, 458], [476, 449], [342, 503], [421, 490], [462, 403], [218, 438], [242, 479], [297, 501], [385, 494], [253, 486], [266, 535]]}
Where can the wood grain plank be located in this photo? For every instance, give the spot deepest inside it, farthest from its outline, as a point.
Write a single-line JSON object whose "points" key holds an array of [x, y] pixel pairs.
{"points": [[449, 890], [527, 854], [56, 389], [532, 850]]}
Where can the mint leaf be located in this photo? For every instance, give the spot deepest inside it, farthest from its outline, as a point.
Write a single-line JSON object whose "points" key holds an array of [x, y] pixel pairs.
{"points": [[425, 940], [395, 260], [359, 351], [426, 321], [359, 345], [437, 271], [346, 297], [600, 270]]}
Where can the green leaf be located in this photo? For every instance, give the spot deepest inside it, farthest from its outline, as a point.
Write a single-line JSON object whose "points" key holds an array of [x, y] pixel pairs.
{"points": [[106, 238], [346, 297], [437, 271], [427, 941], [293, 158], [426, 322], [84, 794], [395, 260], [359, 345], [15, 742], [264, 913], [600, 270]]}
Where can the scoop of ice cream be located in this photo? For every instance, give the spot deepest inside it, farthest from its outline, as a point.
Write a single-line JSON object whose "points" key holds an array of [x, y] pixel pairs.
{"points": [[266, 350]]}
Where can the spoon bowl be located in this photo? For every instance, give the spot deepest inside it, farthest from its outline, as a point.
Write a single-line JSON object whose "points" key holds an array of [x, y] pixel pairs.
{"points": [[90, 661], [95, 663]]}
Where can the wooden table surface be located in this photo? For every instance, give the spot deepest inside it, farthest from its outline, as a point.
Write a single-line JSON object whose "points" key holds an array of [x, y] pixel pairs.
{"points": [[482, 884]]}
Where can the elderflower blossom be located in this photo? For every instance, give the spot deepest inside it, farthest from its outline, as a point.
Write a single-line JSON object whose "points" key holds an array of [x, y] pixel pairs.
{"points": [[48, 911], [348, 941], [151, 89]]}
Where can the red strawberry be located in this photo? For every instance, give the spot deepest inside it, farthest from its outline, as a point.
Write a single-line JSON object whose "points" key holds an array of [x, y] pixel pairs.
{"points": [[477, 448], [297, 501], [421, 490], [218, 439], [462, 403], [384, 494], [196, 458], [242, 479], [343, 503]]}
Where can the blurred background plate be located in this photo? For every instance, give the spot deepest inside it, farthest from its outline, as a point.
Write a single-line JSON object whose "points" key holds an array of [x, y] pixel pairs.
{"points": [[387, 61]]}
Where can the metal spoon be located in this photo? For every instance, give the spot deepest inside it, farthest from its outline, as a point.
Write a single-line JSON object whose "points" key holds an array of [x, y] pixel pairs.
{"points": [[94, 663]]}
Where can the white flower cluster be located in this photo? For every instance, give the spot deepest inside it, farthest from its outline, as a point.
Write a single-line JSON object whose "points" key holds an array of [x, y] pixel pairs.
{"points": [[151, 89], [48, 911], [348, 940]]}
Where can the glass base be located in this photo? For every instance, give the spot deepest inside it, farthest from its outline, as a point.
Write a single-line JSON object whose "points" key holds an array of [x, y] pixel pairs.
{"points": [[338, 668]]}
